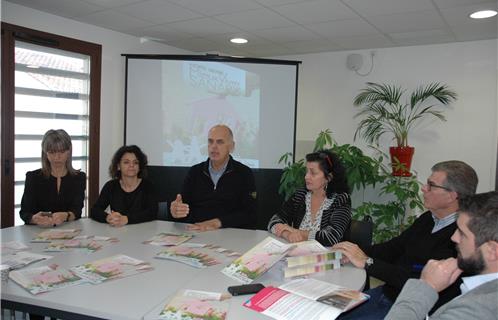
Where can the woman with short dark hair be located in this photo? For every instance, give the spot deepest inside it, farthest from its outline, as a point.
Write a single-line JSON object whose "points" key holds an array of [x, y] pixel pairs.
{"points": [[322, 210], [131, 198], [55, 193]]}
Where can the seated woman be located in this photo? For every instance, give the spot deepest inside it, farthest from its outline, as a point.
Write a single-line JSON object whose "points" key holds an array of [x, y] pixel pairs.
{"points": [[322, 211], [53, 194], [131, 197]]}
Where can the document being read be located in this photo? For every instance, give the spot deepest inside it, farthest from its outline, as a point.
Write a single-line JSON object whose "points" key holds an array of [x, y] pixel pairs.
{"points": [[305, 299]]}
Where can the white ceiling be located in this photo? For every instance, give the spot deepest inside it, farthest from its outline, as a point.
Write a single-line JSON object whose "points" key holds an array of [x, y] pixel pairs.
{"points": [[282, 27]]}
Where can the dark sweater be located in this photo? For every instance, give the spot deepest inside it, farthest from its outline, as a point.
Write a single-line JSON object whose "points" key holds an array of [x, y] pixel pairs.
{"points": [[233, 201], [140, 205], [40, 194], [335, 219], [403, 257]]}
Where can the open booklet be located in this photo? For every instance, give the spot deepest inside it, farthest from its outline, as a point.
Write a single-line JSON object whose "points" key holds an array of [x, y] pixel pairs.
{"points": [[45, 278], [22, 258], [308, 299], [118, 266], [194, 305], [56, 234], [257, 260], [168, 239]]}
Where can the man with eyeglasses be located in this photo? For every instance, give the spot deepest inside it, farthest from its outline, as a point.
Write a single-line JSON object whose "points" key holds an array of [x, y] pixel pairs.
{"points": [[403, 257], [476, 239]]}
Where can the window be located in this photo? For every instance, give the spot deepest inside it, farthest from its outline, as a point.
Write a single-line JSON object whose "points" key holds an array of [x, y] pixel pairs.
{"points": [[53, 83]]}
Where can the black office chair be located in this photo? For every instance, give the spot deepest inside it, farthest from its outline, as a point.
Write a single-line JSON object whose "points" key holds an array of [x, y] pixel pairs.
{"points": [[361, 233], [162, 211]]}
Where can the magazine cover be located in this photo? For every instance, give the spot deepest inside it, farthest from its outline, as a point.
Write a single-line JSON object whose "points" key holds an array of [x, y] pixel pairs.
{"points": [[118, 266], [168, 239], [257, 260], [45, 278], [196, 305], [193, 257], [56, 234]]}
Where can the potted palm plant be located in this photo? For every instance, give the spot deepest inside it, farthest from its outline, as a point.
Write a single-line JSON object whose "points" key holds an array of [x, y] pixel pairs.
{"points": [[384, 112]]}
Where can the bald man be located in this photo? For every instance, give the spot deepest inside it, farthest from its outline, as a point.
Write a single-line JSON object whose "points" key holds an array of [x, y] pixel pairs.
{"points": [[217, 193]]}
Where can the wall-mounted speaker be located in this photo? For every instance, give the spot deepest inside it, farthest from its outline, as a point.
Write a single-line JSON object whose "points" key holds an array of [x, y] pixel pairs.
{"points": [[354, 61]]}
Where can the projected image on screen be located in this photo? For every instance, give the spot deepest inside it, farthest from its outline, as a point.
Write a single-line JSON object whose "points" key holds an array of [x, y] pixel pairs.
{"points": [[171, 104], [198, 95]]}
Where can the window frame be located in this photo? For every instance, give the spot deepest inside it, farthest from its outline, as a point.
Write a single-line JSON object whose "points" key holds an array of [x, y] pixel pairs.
{"points": [[11, 33]]}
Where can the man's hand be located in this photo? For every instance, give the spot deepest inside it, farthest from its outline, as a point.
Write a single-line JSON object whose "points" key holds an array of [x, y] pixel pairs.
{"points": [[440, 274], [207, 225], [179, 209], [42, 220], [352, 252], [59, 217], [116, 219]]}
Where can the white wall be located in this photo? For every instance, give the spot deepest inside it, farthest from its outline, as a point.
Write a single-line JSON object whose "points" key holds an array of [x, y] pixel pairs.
{"points": [[113, 67], [327, 89]]}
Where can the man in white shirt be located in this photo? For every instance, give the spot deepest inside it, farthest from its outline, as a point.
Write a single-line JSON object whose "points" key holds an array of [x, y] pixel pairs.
{"points": [[476, 239]]}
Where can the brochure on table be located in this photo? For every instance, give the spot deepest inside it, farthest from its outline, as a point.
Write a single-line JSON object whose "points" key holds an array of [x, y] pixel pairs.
{"points": [[305, 299], [22, 258], [118, 266], [45, 278], [194, 305], [257, 260], [56, 234], [195, 257], [168, 239]]}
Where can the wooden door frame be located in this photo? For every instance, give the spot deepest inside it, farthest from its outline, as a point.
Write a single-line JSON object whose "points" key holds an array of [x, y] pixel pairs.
{"points": [[10, 33]]}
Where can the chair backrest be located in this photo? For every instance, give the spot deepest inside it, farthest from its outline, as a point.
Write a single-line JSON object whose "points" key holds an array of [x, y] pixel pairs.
{"points": [[162, 211], [360, 232]]}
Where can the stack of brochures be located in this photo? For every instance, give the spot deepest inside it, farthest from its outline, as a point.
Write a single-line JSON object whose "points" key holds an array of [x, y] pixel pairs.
{"points": [[310, 257], [318, 262]]}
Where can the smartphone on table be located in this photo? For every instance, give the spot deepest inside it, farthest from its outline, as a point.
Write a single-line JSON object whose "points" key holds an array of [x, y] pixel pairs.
{"points": [[245, 289]]}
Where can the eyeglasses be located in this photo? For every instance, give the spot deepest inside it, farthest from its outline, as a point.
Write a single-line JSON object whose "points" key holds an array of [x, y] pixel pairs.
{"points": [[431, 185]]}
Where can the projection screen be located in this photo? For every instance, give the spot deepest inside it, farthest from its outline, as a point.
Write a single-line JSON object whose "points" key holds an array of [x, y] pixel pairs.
{"points": [[172, 101]]}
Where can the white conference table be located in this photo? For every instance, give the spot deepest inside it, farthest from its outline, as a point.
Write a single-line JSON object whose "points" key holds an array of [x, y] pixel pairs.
{"points": [[142, 296]]}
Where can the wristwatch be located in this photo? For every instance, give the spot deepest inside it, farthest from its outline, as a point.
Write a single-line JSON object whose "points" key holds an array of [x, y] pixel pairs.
{"points": [[368, 263]]}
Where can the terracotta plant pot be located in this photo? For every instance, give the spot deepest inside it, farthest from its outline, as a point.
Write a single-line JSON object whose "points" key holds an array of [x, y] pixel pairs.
{"points": [[404, 155]]}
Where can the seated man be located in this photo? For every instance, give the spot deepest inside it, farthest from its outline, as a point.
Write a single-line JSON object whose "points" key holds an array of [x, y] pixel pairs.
{"points": [[476, 239], [404, 256], [219, 192]]}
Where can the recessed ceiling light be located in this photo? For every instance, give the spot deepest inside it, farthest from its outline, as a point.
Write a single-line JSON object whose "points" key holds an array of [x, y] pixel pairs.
{"points": [[32, 66], [238, 40], [483, 14]]}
